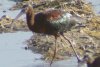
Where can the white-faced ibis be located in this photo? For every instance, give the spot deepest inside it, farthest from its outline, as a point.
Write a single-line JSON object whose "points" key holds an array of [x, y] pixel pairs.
{"points": [[51, 22]]}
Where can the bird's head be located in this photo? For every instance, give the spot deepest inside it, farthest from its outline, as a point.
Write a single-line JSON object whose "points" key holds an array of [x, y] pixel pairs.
{"points": [[27, 7]]}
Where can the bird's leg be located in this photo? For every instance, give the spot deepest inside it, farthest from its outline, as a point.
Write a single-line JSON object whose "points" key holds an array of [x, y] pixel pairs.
{"points": [[54, 51], [71, 46]]}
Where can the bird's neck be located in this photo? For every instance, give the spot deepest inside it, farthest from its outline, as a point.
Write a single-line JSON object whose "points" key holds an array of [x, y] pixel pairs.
{"points": [[30, 17]]}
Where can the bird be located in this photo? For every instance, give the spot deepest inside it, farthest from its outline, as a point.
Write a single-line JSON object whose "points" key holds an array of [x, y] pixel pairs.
{"points": [[50, 22]]}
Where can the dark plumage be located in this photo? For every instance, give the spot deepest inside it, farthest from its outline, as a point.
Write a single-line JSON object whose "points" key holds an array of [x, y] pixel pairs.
{"points": [[52, 22], [49, 22]]}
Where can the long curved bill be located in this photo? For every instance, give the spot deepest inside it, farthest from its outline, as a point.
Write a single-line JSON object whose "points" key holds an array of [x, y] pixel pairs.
{"points": [[21, 13]]}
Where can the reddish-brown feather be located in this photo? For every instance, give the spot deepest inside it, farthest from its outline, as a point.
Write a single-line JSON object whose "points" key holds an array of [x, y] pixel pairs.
{"points": [[53, 14]]}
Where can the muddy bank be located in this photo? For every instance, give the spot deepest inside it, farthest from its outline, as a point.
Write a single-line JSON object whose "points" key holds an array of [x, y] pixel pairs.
{"points": [[45, 45], [5, 24], [87, 39]]}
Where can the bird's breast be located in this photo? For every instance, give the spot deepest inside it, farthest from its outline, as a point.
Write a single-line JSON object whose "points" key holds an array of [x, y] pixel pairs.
{"points": [[38, 28]]}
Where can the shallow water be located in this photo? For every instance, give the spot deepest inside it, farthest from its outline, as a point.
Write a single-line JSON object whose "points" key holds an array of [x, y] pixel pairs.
{"points": [[12, 52], [5, 6]]}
